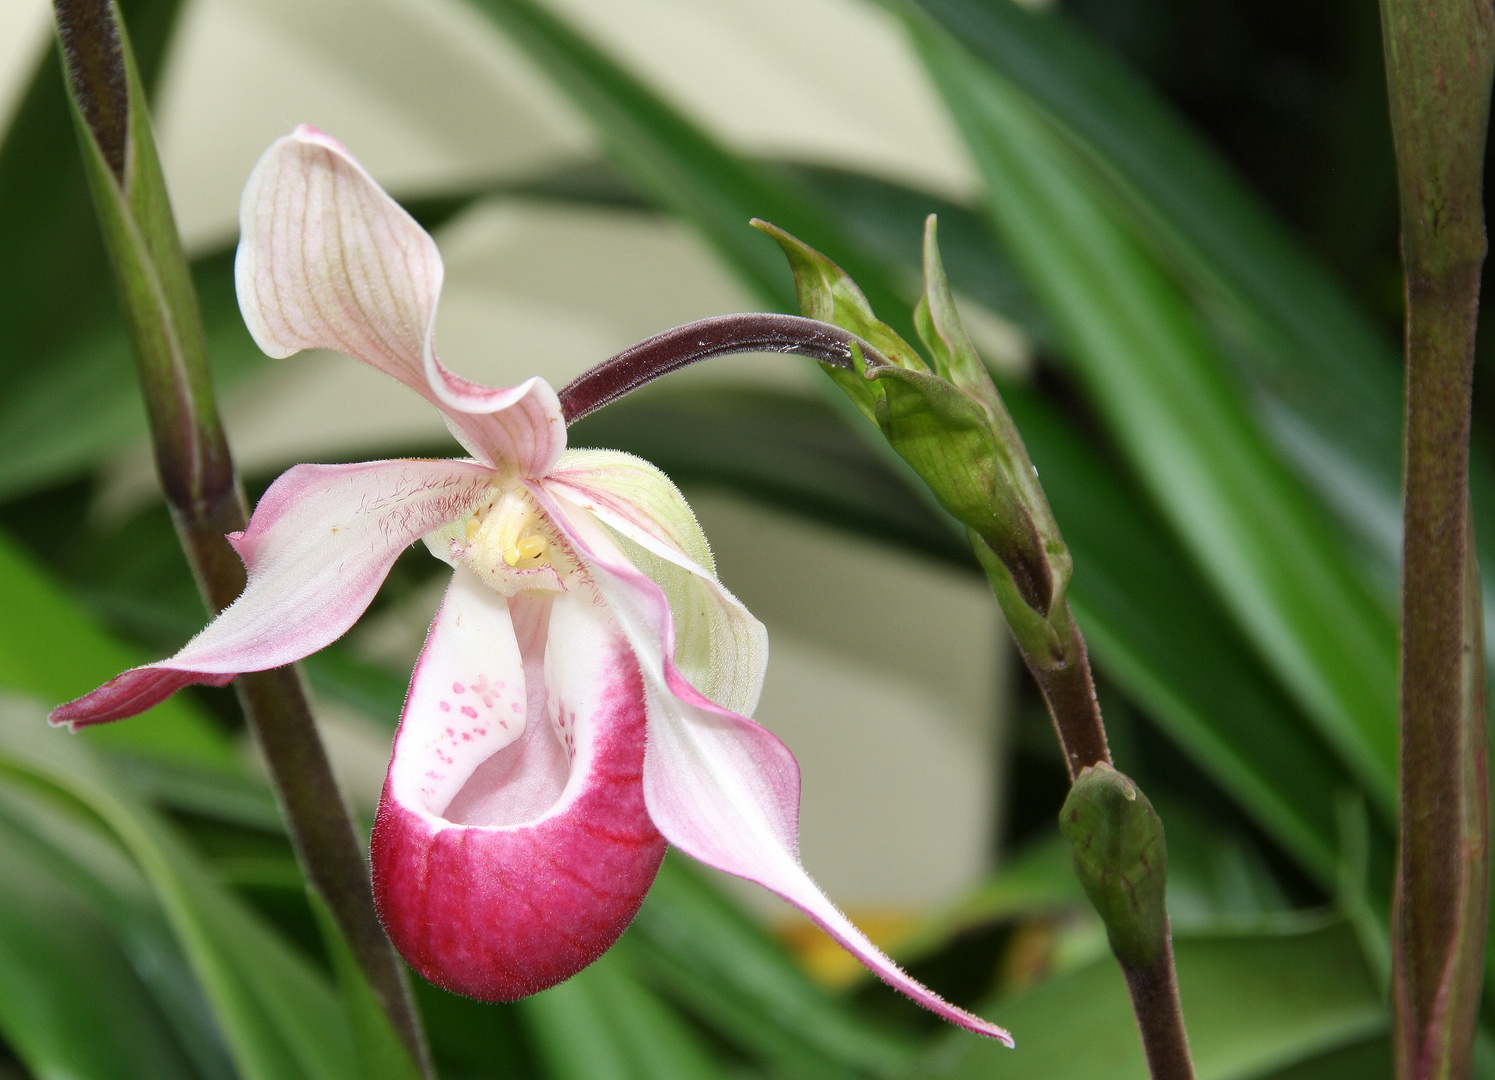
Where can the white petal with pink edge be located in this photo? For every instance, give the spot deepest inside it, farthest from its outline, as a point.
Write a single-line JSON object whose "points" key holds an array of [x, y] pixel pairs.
{"points": [[720, 648], [720, 787], [327, 260], [317, 549]]}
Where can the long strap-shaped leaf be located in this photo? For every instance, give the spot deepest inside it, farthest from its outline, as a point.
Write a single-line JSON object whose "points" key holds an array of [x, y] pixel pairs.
{"points": [[1165, 396], [280, 1020], [1325, 379], [1299, 338]]}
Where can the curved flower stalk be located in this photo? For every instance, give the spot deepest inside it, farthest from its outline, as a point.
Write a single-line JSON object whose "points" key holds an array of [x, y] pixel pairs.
{"points": [[584, 692]]}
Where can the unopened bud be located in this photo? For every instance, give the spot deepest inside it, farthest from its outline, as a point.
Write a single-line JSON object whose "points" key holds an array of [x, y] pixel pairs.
{"points": [[1121, 859]]}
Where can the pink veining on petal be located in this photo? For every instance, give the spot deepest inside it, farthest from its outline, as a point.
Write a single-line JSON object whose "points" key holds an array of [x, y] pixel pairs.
{"points": [[720, 787], [318, 547], [327, 260], [542, 857]]}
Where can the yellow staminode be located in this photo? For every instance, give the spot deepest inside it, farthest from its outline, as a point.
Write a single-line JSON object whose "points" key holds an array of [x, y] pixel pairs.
{"points": [[505, 533]]}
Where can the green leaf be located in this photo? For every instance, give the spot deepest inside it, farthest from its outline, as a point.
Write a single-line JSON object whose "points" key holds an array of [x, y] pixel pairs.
{"points": [[381, 1052], [1162, 390], [70, 1004], [1368, 1060], [1327, 377], [681, 167], [279, 1018], [78, 850], [602, 1024], [714, 961], [684, 170], [1254, 1004], [51, 650], [1154, 625]]}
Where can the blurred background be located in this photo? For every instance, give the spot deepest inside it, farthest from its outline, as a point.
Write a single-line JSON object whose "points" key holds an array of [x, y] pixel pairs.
{"points": [[1171, 231]]}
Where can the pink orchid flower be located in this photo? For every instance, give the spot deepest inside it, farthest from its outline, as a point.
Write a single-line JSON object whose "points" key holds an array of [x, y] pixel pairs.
{"points": [[583, 694]]}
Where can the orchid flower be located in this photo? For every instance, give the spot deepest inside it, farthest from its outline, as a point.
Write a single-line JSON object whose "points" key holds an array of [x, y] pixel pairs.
{"points": [[584, 692]]}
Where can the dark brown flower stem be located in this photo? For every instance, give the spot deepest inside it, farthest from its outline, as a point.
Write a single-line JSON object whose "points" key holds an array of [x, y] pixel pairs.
{"points": [[721, 335], [198, 477], [1439, 58]]}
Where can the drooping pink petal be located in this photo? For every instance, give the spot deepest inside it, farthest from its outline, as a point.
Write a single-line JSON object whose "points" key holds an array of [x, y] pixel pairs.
{"points": [[497, 876], [720, 787], [720, 648], [327, 260], [317, 548]]}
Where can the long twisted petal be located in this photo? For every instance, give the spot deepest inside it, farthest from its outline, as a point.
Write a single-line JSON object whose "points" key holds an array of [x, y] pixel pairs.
{"points": [[317, 548]]}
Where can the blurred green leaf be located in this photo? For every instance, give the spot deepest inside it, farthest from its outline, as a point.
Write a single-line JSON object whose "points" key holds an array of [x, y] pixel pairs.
{"points": [[684, 168], [714, 961], [280, 1019], [1368, 1060], [1153, 374], [603, 1024], [1326, 380], [1153, 623], [50, 649], [70, 1004], [381, 1052], [1254, 1004]]}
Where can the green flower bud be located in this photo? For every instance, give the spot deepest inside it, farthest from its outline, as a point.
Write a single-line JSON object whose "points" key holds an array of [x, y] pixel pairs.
{"points": [[1121, 859]]}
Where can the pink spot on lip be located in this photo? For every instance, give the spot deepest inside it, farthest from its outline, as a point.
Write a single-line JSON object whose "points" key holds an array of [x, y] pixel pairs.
{"points": [[470, 712], [514, 706], [458, 688], [446, 706], [467, 736]]}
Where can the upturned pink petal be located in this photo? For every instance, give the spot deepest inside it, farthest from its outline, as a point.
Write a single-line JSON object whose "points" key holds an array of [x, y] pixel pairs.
{"points": [[327, 260], [317, 548], [720, 787], [512, 844]]}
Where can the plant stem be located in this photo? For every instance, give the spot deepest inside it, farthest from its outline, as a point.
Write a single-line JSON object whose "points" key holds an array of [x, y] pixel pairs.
{"points": [[721, 335], [1069, 690], [198, 477], [1439, 58]]}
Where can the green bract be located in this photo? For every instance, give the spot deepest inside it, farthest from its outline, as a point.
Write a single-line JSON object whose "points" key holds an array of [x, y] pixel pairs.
{"points": [[946, 419]]}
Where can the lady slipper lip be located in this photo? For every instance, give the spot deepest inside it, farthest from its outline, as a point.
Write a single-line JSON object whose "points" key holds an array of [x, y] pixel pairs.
{"points": [[584, 692]]}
